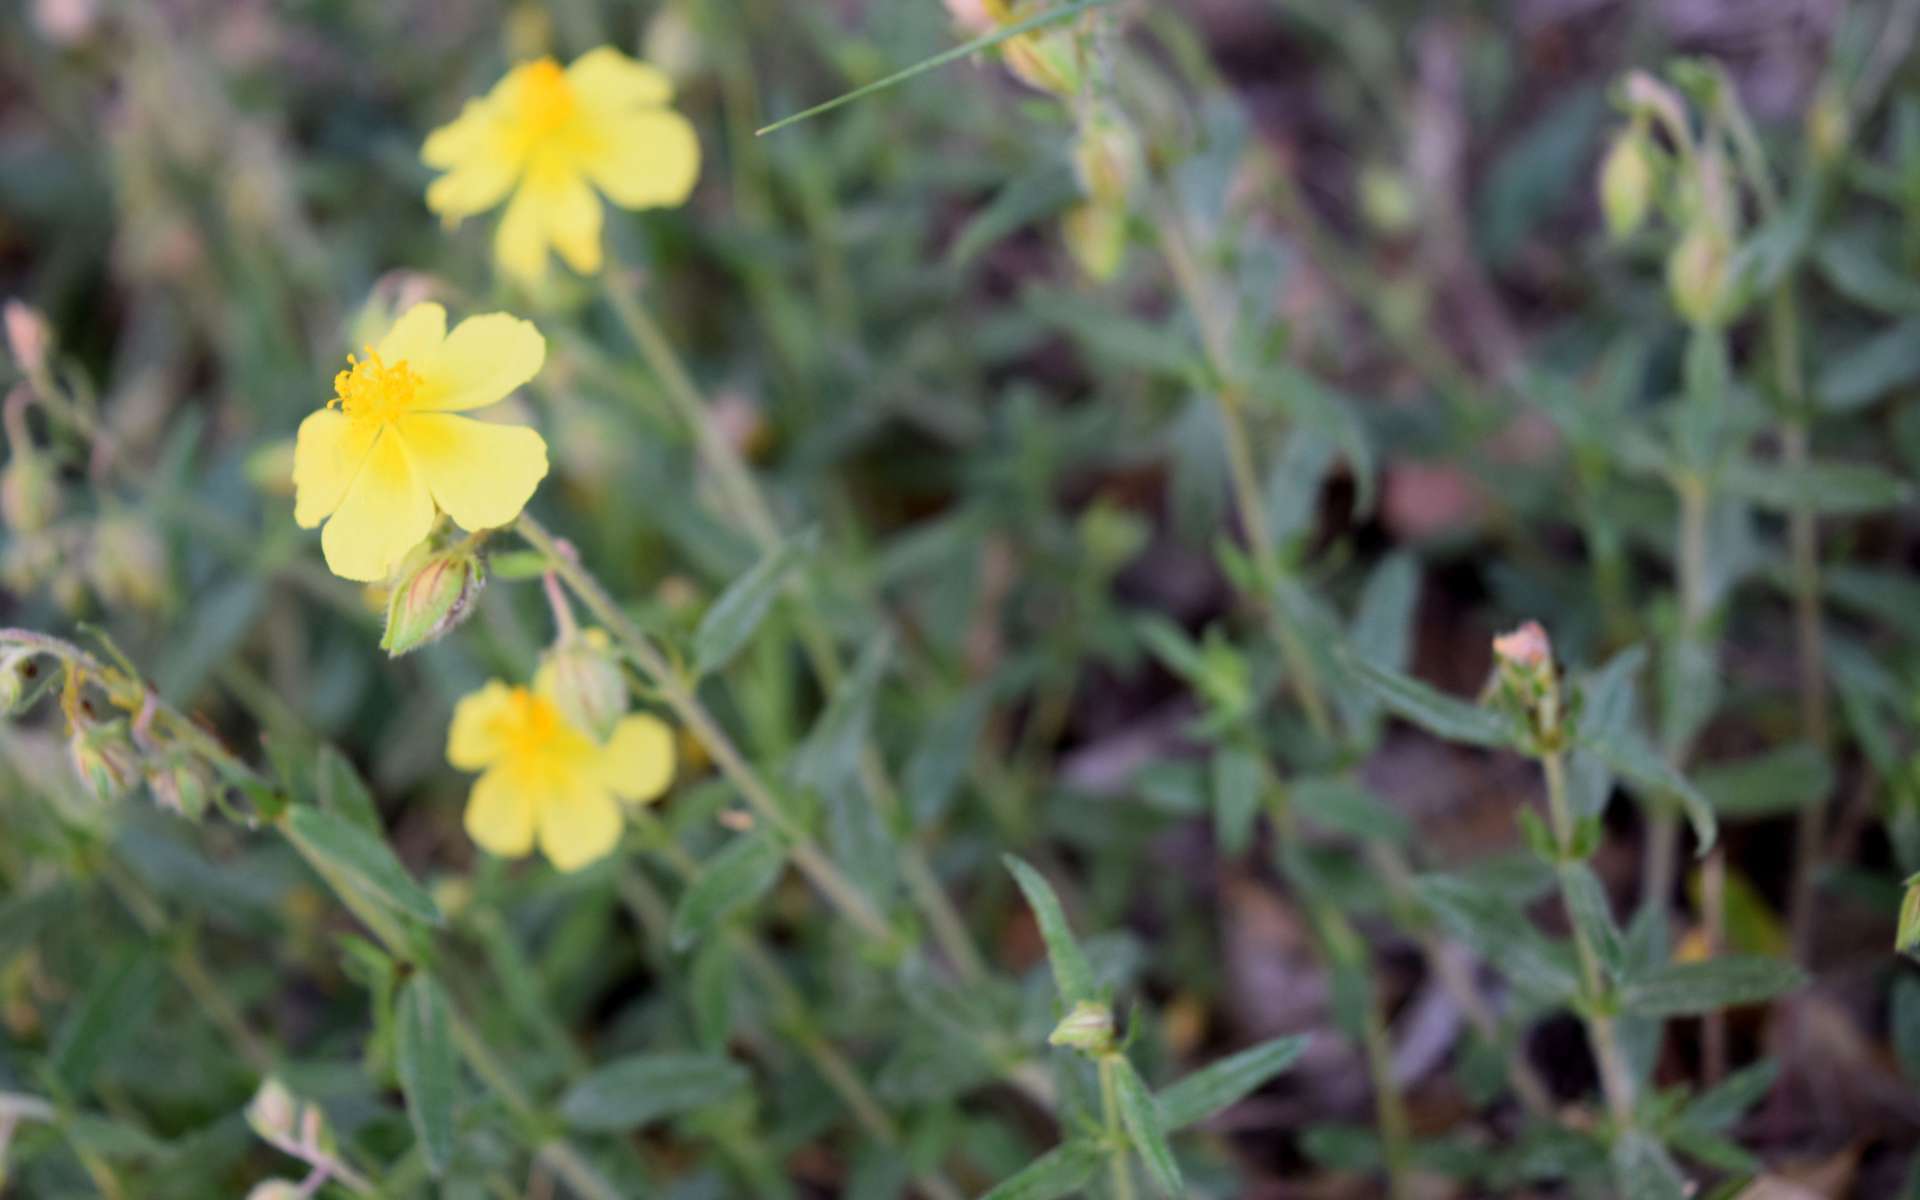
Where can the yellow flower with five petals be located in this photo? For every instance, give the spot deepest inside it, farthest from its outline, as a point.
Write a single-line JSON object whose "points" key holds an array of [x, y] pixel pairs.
{"points": [[550, 136], [544, 779], [391, 447]]}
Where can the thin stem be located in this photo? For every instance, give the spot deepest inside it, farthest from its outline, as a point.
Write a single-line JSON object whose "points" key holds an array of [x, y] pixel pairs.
{"points": [[679, 696], [1119, 1169], [1616, 1081], [1810, 638], [747, 504]]}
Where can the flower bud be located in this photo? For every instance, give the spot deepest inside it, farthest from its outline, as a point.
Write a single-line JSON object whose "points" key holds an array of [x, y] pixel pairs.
{"points": [[1088, 1029], [29, 493], [104, 759], [1524, 661], [183, 788], [29, 339], [433, 596], [582, 675], [1697, 274], [1096, 237], [273, 1111], [127, 564], [1106, 159], [277, 1189], [1626, 183], [1047, 61], [17, 669]]}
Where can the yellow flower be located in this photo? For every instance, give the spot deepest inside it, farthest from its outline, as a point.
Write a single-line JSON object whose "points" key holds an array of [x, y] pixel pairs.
{"points": [[389, 446], [546, 778], [545, 134]]}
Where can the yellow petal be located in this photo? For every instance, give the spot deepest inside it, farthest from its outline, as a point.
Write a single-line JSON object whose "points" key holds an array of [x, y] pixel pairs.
{"points": [[387, 512], [482, 474], [415, 336], [571, 213], [481, 362], [579, 822], [520, 243], [473, 187], [474, 736], [327, 454], [637, 762], [500, 814], [646, 159], [607, 81], [468, 136]]}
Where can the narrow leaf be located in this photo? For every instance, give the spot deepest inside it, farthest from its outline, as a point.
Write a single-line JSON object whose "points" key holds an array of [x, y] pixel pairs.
{"points": [[1641, 765], [1071, 974], [732, 618], [732, 879], [632, 1092], [1142, 1119], [423, 1049], [1684, 989], [1643, 1170], [1061, 1171], [1441, 715], [1218, 1085], [362, 860]]}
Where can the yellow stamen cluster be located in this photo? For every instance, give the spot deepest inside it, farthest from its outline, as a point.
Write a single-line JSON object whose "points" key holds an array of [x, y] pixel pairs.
{"points": [[369, 388]]}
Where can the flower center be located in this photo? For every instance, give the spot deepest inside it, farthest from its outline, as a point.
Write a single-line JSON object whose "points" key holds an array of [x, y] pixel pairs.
{"points": [[546, 99], [536, 734], [371, 389]]}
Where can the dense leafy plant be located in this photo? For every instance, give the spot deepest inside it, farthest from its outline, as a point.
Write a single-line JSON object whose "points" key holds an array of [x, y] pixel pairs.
{"points": [[852, 556]]}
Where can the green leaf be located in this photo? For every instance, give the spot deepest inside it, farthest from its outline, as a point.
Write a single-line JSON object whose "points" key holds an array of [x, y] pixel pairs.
{"points": [[1717, 1108], [360, 859], [1642, 766], [728, 882], [1865, 371], [1782, 780], [1903, 1020], [1314, 405], [1825, 488], [1685, 989], [710, 983], [1494, 927], [940, 760], [1142, 1119], [1218, 1085], [738, 611], [1588, 908], [631, 1092], [340, 789], [1441, 715], [517, 566], [423, 1050], [1343, 803], [1643, 1170], [830, 757], [1020, 202], [1859, 271], [112, 1010], [1061, 1171], [1606, 707], [1238, 777], [1072, 977]]}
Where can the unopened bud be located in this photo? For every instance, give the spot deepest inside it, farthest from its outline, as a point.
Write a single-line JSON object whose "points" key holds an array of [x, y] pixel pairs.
{"points": [[1697, 274], [183, 788], [1387, 200], [1048, 61], [29, 493], [1626, 182], [1906, 938], [17, 671], [1106, 159], [277, 1189], [104, 759], [1096, 237], [1527, 648], [273, 1111], [29, 338], [127, 564], [1088, 1029], [582, 675], [432, 597]]}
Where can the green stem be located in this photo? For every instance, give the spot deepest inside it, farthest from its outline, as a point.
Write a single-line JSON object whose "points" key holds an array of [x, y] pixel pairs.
{"points": [[1119, 1168], [679, 696], [748, 505], [1616, 1081]]}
